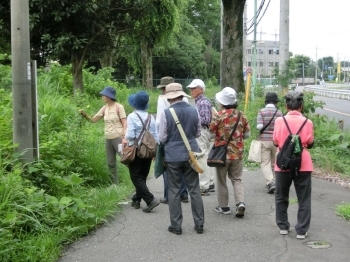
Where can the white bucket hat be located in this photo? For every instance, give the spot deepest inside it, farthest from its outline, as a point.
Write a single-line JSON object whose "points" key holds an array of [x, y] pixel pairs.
{"points": [[174, 90], [226, 96]]}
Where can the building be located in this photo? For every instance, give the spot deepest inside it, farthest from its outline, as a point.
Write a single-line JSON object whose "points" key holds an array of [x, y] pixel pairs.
{"points": [[267, 57]]}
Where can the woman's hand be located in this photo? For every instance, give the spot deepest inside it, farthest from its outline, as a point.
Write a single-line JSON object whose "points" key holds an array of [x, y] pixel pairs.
{"points": [[85, 115], [124, 142]]}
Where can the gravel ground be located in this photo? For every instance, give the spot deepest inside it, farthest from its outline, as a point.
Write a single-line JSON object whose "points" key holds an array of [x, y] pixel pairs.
{"points": [[332, 177]]}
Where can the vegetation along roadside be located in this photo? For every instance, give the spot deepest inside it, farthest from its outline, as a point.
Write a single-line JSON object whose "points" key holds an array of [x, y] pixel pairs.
{"points": [[52, 202]]}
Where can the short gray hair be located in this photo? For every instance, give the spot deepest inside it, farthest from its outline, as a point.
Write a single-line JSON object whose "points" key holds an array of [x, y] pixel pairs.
{"points": [[294, 100]]}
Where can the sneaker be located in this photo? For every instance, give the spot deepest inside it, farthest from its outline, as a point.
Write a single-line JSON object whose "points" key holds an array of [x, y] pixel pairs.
{"points": [[199, 229], [284, 231], [240, 208], [184, 198], [271, 187], [205, 192], [151, 205], [302, 236], [212, 188], [223, 210], [163, 200], [136, 204]]}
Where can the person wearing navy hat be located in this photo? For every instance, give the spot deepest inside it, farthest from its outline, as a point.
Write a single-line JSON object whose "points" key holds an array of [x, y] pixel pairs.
{"points": [[114, 116], [139, 168], [268, 149]]}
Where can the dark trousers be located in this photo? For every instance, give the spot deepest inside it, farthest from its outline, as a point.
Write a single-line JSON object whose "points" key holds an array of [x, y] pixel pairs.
{"points": [[177, 170], [302, 185], [183, 190], [138, 171]]}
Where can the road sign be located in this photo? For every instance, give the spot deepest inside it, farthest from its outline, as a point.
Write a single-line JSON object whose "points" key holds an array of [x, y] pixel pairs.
{"points": [[249, 70]]}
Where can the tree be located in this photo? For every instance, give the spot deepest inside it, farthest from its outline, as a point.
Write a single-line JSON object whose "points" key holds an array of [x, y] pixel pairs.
{"points": [[182, 57], [5, 28], [158, 21], [232, 51], [72, 30]]}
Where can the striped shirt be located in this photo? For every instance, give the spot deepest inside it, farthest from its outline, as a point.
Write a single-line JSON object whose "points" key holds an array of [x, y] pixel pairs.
{"points": [[264, 116]]}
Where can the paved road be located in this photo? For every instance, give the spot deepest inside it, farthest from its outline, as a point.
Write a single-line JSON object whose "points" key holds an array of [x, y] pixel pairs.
{"points": [[337, 109], [135, 236]]}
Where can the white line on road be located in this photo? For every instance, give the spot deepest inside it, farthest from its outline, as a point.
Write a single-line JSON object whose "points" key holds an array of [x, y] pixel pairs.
{"points": [[336, 112]]}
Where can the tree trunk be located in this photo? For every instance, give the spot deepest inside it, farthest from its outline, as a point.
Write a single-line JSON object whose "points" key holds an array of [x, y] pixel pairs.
{"points": [[232, 50], [146, 63], [106, 59], [77, 71]]}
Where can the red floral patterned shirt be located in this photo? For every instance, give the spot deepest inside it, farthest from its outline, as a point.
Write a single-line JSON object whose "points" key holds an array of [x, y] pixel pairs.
{"points": [[222, 124]]}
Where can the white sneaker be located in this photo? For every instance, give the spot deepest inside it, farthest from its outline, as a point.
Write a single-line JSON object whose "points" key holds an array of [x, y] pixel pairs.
{"points": [[284, 231], [302, 236], [223, 210]]}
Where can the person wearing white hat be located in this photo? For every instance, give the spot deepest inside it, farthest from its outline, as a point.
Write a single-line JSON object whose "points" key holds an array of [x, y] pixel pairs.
{"points": [[163, 104], [204, 107], [177, 157], [221, 126]]}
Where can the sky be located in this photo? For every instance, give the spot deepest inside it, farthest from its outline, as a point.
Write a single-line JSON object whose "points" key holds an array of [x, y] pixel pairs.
{"points": [[316, 27]]}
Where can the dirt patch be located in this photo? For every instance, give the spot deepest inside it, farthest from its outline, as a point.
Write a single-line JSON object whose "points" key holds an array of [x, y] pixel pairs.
{"points": [[331, 177]]}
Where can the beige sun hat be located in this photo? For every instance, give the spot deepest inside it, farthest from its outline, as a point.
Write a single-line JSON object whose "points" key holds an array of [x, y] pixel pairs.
{"points": [[164, 81], [174, 90]]}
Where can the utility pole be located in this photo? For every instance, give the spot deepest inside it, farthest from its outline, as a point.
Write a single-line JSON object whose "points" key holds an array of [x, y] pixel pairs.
{"points": [[21, 79], [221, 40], [254, 51], [316, 66], [259, 51], [284, 38]]}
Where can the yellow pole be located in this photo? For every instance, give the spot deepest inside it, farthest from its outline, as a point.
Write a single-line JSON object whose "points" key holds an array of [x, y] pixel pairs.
{"points": [[247, 91]]}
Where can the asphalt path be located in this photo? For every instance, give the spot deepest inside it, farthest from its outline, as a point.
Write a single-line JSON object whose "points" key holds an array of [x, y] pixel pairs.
{"points": [[136, 236]]}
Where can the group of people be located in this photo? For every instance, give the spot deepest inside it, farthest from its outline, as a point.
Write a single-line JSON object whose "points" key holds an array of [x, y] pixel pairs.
{"points": [[203, 127]]}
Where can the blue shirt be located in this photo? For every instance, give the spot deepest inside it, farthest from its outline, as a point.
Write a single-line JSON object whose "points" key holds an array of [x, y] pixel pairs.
{"points": [[134, 126]]}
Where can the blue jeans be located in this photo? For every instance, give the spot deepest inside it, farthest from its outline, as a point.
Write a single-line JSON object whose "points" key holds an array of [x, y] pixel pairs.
{"points": [[183, 189]]}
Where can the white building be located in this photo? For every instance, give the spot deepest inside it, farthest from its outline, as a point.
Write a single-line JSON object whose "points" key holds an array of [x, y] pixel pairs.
{"points": [[267, 57]]}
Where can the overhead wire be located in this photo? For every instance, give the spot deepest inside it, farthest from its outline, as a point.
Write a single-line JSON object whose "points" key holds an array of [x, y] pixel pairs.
{"points": [[246, 30]]}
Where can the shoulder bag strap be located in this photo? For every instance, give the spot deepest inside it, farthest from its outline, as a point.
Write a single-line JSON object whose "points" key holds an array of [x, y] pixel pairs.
{"points": [[182, 133], [234, 128], [263, 129]]}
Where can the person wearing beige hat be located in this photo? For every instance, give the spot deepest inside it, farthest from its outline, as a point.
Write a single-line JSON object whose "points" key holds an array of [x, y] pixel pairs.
{"points": [[177, 156], [222, 125], [204, 107], [163, 104]]}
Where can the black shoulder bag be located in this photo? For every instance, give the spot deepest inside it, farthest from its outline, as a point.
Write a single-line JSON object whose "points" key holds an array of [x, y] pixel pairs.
{"points": [[217, 154]]}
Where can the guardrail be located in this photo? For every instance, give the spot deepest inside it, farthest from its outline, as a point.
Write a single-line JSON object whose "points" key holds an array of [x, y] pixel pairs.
{"points": [[334, 93]]}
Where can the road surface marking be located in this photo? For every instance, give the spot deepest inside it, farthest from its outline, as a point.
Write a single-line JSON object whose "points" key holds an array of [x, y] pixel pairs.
{"points": [[336, 112]]}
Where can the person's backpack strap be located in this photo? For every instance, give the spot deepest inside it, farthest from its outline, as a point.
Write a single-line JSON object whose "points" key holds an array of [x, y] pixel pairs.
{"points": [[145, 126], [117, 110], [301, 126], [285, 121]]}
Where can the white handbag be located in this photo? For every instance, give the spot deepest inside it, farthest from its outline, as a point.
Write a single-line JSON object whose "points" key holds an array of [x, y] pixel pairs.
{"points": [[255, 152]]}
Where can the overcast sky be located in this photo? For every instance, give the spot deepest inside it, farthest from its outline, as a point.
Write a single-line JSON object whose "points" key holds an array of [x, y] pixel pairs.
{"points": [[313, 24]]}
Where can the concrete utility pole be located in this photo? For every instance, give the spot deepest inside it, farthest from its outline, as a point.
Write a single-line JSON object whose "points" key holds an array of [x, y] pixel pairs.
{"points": [[254, 51], [21, 78], [284, 37]]}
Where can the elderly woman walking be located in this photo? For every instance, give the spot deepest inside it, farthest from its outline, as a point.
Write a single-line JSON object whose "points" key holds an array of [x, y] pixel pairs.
{"points": [[222, 126], [140, 167], [294, 120]]}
